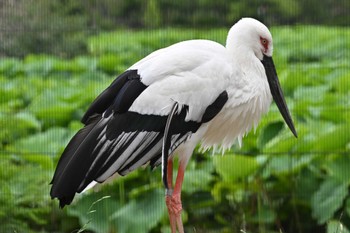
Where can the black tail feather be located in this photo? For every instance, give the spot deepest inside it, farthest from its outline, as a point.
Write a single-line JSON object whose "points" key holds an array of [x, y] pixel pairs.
{"points": [[76, 160]]}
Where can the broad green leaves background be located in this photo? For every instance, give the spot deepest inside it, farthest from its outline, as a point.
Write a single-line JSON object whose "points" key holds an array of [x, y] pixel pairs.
{"points": [[274, 183]]}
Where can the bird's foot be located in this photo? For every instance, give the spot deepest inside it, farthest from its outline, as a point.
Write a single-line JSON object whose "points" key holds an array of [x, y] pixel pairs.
{"points": [[173, 202]]}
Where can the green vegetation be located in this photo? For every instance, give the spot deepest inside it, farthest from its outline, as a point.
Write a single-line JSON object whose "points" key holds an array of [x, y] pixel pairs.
{"points": [[60, 26], [274, 183]]}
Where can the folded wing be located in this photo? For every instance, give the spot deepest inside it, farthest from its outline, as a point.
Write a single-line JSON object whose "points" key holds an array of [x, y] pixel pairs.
{"points": [[124, 127]]}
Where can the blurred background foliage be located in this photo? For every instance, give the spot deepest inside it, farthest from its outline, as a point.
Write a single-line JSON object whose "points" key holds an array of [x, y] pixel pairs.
{"points": [[60, 26], [58, 55]]}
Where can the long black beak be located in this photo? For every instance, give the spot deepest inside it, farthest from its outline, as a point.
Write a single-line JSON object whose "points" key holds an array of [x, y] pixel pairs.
{"points": [[277, 93]]}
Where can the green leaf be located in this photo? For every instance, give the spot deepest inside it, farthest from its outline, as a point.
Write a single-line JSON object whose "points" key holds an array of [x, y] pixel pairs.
{"points": [[235, 167], [325, 137], [57, 106], [342, 83], [284, 164], [264, 215], [108, 63], [268, 132], [306, 183], [142, 214], [284, 143], [347, 206], [10, 66], [109, 215], [49, 142], [24, 200], [196, 180], [39, 64], [88, 63], [312, 93], [50, 108], [328, 199], [94, 212], [68, 66], [339, 168], [43, 160], [335, 140], [13, 127], [335, 226]]}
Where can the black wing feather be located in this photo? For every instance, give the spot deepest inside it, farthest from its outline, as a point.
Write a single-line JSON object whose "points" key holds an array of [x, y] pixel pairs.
{"points": [[117, 140], [76, 161], [156, 155], [73, 146], [213, 109], [126, 96], [108, 96], [122, 123]]}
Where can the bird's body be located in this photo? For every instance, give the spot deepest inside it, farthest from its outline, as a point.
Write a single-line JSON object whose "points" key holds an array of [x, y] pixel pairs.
{"points": [[192, 92], [200, 71]]}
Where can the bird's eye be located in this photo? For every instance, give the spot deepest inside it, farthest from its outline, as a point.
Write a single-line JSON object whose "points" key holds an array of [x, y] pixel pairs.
{"points": [[263, 41]]}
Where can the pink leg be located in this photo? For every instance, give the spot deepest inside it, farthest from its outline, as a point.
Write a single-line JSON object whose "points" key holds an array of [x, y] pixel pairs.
{"points": [[172, 218], [170, 174], [173, 199]]}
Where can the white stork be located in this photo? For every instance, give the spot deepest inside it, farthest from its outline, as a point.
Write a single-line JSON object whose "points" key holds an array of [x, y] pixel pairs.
{"points": [[195, 91]]}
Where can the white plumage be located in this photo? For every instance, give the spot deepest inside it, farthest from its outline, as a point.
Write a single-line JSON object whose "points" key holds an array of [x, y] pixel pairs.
{"points": [[190, 73], [192, 92], [194, 73]]}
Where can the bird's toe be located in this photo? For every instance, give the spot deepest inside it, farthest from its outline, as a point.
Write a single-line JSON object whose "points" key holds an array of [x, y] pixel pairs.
{"points": [[174, 204]]}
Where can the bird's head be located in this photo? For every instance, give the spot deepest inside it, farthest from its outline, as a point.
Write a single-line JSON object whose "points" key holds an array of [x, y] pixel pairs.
{"points": [[249, 36]]}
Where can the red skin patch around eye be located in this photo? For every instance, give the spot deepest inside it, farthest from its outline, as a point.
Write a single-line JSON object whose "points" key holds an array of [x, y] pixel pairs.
{"points": [[265, 43]]}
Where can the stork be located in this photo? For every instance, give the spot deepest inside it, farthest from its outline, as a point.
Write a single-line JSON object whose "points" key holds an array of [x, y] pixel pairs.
{"points": [[192, 92]]}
